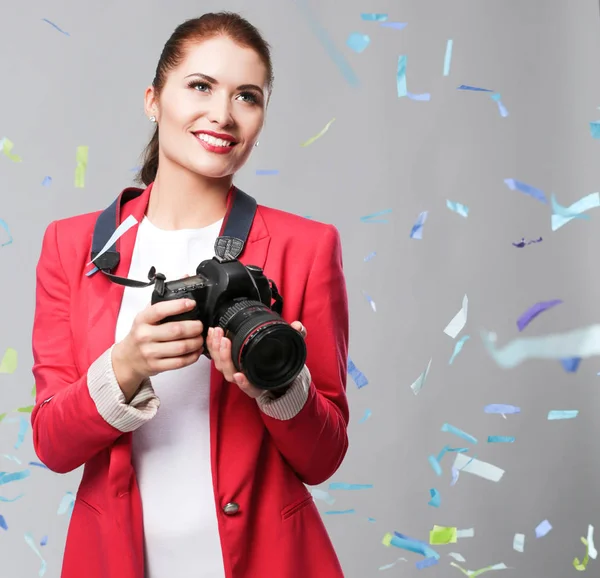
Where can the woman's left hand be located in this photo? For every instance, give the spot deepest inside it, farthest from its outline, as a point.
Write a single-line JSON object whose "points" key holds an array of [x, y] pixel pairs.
{"points": [[219, 348]]}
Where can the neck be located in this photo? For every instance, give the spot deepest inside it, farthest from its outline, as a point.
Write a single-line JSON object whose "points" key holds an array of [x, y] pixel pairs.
{"points": [[186, 200]]}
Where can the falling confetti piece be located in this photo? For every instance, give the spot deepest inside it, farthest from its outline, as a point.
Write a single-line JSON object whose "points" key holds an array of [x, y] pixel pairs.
{"points": [[448, 57], [581, 566], [388, 566], [417, 229], [4, 226], [519, 542], [66, 504], [322, 495], [9, 361], [370, 256], [374, 17], [55, 26], [567, 212], [475, 573], [366, 416], [47, 181], [336, 512], [522, 243], [542, 529], [9, 500], [420, 381], [501, 108], [401, 85], [435, 498], [426, 563], [531, 313], [6, 478], [372, 217], [473, 88], [343, 486], [435, 465], [441, 535], [458, 347], [478, 468], [500, 439], [595, 129], [31, 543], [458, 208], [357, 376], [7, 147], [394, 25], [586, 203], [458, 322], [23, 427], [590, 539], [458, 557], [318, 136], [447, 428], [571, 365], [370, 301], [81, 157], [515, 185], [557, 414], [417, 546], [358, 42], [3, 523], [44, 541]]}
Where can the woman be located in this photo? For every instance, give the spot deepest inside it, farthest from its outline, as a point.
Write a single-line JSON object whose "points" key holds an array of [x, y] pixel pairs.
{"points": [[220, 469]]}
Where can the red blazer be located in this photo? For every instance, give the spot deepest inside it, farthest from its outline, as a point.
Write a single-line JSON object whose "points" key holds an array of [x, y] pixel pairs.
{"points": [[258, 462]]}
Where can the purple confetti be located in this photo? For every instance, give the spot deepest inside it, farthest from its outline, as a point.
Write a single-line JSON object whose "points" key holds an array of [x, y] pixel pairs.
{"points": [[534, 311]]}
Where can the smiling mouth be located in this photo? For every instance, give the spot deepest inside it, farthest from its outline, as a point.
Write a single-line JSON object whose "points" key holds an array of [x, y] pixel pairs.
{"points": [[213, 141]]}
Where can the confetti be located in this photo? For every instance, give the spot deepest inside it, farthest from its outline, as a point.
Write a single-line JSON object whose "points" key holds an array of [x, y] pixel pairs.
{"points": [[66, 504], [435, 498], [322, 495], [447, 449], [388, 566], [318, 136], [566, 212], [501, 108], [435, 465], [267, 172], [478, 468], [7, 231], [417, 229], [458, 432], [357, 42], [374, 17], [458, 208], [501, 439], [519, 542], [583, 342], [534, 311], [448, 57], [7, 147], [6, 478], [571, 364], [401, 82], [370, 301], [23, 426], [9, 361], [395, 25], [401, 541], [522, 243], [467, 533], [586, 203], [458, 322], [370, 256], [473, 88], [372, 217], [420, 381], [557, 414], [334, 512], [590, 539], [357, 376], [366, 416], [595, 129], [44, 541], [581, 566], [9, 500], [474, 573], [81, 157], [127, 224], [458, 557], [3, 523], [425, 563], [55, 26], [342, 486], [542, 529], [458, 347], [47, 181], [31, 543], [515, 185], [325, 39], [441, 535]]}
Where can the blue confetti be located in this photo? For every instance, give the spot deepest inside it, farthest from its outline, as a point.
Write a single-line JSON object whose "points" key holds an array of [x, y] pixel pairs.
{"points": [[395, 25], [473, 88], [23, 426], [425, 563], [44, 541], [458, 432], [458, 208], [334, 512], [374, 17], [527, 189], [365, 417], [595, 129], [458, 347], [417, 229], [55, 26], [3, 524], [563, 414], [6, 477], [358, 42], [501, 408], [47, 181], [435, 465], [435, 498], [357, 376], [448, 57], [501, 439], [571, 364], [342, 486]]}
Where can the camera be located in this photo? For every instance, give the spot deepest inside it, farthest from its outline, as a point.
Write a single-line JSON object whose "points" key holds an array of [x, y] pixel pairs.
{"points": [[247, 306]]}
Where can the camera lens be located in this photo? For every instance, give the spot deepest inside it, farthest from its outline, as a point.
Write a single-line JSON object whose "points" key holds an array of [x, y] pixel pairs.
{"points": [[267, 349]]}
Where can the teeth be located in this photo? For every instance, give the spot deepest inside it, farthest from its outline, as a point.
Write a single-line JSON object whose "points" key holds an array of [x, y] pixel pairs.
{"points": [[211, 140]]}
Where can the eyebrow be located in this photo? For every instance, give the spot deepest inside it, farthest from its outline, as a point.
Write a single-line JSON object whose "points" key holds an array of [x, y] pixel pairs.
{"points": [[215, 81]]}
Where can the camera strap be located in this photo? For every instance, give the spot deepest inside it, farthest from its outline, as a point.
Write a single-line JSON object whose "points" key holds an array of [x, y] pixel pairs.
{"points": [[228, 246]]}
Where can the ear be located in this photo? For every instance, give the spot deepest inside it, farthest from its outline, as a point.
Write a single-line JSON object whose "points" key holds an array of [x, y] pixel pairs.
{"points": [[151, 102]]}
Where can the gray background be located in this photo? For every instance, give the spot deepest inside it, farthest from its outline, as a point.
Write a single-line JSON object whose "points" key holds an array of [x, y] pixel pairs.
{"points": [[381, 152]]}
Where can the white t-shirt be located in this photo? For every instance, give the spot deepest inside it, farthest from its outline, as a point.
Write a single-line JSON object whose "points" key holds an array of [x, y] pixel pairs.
{"points": [[171, 452]]}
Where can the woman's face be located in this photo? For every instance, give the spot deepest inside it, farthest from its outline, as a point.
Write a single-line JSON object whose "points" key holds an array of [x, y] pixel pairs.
{"points": [[212, 108]]}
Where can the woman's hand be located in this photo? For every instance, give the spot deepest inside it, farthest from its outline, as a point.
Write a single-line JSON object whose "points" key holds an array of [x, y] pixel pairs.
{"points": [[219, 348], [151, 348]]}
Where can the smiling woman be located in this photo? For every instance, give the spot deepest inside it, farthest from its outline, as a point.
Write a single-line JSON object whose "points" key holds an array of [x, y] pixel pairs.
{"points": [[213, 484]]}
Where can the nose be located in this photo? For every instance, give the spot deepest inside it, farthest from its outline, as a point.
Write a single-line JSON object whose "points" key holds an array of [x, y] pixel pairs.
{"points": [[220, 110]]}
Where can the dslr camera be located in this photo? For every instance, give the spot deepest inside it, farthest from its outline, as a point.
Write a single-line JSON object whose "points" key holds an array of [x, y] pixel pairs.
{"points": [[247, 306]]}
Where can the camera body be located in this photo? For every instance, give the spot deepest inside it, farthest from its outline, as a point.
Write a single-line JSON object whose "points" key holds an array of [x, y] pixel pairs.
{"points": [[238, 298]]}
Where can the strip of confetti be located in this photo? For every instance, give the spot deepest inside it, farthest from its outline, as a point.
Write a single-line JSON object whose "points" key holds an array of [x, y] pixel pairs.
{"points": [[417, 229], [448, 57], [358, 42], [357, 376], [7, 146], [559, 414], [55, 26], [523, 243], [537, 194], [401, 82], [526, 318], [312, 139]]}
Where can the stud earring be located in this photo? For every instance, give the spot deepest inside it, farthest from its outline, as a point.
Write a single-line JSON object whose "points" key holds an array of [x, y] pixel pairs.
{"points": [[152, 119], [256, 144]]}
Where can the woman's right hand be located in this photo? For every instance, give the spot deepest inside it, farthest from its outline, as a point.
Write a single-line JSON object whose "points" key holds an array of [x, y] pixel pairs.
{"points": [[151, 348]]}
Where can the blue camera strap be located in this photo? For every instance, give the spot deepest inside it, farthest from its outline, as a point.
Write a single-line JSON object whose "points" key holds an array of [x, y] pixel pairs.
{"points": [[228, 246]]}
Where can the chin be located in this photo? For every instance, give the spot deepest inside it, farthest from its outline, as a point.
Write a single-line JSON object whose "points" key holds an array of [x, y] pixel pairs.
{"points": [[211, 170]]}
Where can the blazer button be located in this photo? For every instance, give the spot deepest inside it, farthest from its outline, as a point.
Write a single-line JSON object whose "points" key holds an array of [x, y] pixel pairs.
{"points": [[231, 508]]}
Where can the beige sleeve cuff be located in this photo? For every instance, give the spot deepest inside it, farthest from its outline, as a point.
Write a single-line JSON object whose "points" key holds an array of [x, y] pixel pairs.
{"points": [[110, 400], [291, 402]]}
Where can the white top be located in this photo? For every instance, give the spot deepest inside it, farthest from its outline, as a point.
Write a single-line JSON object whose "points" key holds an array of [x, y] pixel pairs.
{"points": [[171, 452]]}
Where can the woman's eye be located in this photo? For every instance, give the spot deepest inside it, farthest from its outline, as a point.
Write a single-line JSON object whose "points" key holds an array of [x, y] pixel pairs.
{"points": [[200, 86], [248, 97]]}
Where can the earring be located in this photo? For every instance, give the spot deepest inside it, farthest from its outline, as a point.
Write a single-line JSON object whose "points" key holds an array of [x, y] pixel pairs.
{"points": [[256, 144], [152, 119]]}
